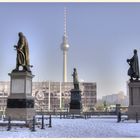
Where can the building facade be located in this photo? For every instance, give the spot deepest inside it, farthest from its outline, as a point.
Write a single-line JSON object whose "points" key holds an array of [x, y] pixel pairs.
{"points": [[4, 92], [55, 96], [114, 99]]}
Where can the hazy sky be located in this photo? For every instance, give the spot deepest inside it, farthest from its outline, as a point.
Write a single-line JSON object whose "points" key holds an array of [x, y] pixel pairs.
{"points": [[101, 37]]}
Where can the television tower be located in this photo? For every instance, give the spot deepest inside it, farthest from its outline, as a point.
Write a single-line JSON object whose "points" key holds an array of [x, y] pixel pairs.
{"points": [[64, 47]]}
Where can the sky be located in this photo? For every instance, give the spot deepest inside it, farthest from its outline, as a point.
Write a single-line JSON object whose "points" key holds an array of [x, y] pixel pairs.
{"points": [[101, 37]]}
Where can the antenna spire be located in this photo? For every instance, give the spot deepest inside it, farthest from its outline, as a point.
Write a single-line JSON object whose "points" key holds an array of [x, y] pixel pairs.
{"points": [[65, 21]]}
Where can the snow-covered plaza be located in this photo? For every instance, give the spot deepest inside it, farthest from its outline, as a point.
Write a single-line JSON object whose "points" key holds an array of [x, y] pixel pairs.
{"points": [[98, 127]]}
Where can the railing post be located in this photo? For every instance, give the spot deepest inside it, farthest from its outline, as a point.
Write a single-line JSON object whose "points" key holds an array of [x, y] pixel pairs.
{"points": [[42, 124], [50, 121], [33, 124], [118, 116], [9, 124], [73, 116], [137, 120]]}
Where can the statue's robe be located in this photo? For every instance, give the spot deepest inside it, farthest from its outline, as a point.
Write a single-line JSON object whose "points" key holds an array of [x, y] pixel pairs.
{"points": [[23, 53], [134, 67]]}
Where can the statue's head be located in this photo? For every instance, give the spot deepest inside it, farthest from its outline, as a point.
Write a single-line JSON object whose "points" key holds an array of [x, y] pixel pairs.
{"points": [[20, 34], [135, 51], [74, 69]]}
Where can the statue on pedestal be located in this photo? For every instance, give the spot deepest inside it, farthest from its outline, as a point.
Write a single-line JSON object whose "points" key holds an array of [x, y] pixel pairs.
{"points": [[134, 87], [22, 53], [75, 79], [20, 102], [133, 71], [75, 100]]}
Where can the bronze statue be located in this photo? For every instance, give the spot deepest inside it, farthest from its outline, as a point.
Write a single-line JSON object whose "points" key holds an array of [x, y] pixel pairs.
{"points": [[133, 71], [75, 79], [22, 53]]}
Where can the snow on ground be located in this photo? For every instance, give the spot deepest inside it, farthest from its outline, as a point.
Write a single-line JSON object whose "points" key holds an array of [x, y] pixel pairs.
{"points": [[77, 128]]}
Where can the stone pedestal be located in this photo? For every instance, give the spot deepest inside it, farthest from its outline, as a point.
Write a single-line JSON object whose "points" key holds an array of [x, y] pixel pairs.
{"points": [[134, 99], [75, 103], [20, 103]]}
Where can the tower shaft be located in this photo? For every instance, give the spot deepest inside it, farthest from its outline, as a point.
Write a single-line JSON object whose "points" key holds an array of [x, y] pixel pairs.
{"points": [[64, 66]]}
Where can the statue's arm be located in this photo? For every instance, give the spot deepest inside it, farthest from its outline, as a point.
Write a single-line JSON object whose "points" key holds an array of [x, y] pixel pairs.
{"points": [[15, 46]]}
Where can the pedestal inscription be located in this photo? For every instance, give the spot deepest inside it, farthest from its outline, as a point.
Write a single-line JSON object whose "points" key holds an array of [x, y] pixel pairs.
{"points": [[17, 85]]}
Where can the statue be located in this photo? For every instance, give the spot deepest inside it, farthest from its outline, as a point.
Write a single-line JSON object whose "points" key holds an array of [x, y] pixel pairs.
{"points": [[75, 100], [22, 53], [75, 79], [133, 71]]}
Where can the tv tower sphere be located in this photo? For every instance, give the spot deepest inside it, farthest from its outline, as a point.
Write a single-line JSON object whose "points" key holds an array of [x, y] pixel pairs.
{"points": [[65, 46]]}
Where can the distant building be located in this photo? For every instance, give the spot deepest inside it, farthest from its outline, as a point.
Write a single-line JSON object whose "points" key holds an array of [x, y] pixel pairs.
{"points": [[118, 98], [53, 96], [4, 91], [56, 95], [4, 86], [3, 102]]}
